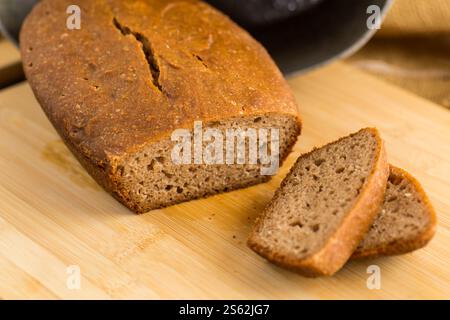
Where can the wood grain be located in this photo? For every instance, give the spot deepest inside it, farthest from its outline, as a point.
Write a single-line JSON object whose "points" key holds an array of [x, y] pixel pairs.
{"points": [[52, 215]]}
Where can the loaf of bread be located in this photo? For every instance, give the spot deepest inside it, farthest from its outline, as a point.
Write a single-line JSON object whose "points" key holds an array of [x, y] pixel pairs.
{"points": [[406, 221], [117, 88], [324, 206]]}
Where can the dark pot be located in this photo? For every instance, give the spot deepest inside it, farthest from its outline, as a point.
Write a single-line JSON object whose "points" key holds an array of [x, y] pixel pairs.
{"points": [[299, 34]]}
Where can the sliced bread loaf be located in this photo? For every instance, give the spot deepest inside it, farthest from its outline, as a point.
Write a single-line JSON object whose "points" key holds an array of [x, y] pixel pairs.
{"points": [[325, 205], [138, 71], [406, 221]]}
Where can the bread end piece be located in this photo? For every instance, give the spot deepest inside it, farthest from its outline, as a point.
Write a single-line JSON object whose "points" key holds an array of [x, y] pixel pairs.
{"points": [[407, 220]]}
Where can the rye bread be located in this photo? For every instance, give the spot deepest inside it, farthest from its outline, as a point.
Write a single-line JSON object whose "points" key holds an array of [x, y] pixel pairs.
{"points": [[406, 221], [324, 206], [136, 71]]}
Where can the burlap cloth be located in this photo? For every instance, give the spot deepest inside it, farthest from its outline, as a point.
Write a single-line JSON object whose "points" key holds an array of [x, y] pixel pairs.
{"points": [[412, 49]]}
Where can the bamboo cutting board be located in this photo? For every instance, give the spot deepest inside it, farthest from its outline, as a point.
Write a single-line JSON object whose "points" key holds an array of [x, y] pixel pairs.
{"points": [[53, 216]]}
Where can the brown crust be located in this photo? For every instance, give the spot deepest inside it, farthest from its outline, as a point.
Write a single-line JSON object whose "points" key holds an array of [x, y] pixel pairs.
{"points": [[355, 225], [105, 87], [405, 246]]}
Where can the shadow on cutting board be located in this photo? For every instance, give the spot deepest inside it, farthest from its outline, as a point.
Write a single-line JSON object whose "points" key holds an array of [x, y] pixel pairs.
{"points": [[59, 156]]}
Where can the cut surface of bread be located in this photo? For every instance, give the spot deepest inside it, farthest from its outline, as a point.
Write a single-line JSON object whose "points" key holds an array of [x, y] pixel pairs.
{"points": [[324, 206], [150, 179], [138, 70], [406, 221]]}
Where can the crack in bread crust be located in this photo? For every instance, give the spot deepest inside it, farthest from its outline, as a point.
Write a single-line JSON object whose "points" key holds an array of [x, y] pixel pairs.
{"points": [[146, 49]]}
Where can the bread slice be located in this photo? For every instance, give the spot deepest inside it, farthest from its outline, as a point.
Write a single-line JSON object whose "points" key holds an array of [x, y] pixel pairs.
{"points": [[406, 221], [325, 206], [137, 71]]}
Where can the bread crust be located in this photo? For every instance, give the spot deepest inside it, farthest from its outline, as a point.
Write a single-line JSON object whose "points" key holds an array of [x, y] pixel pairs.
{"points": [[339, 247], [137, 70], [407, 245]]}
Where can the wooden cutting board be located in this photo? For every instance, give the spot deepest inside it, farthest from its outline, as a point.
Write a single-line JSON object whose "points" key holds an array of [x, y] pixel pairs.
{"points": [[52, 215]]}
